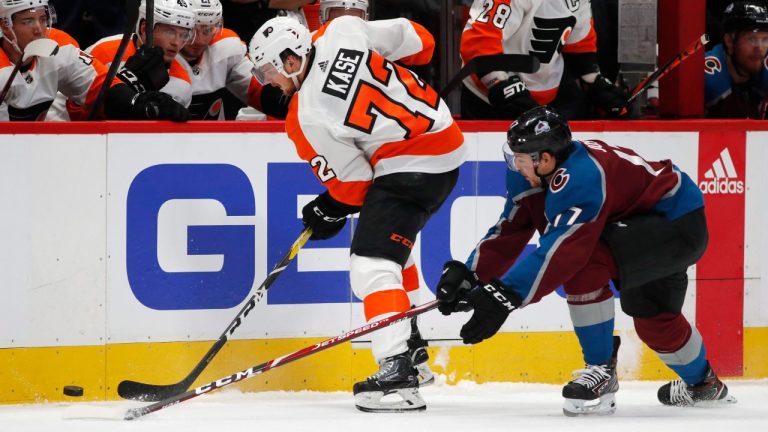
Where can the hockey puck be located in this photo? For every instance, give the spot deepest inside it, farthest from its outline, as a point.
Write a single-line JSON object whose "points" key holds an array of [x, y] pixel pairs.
{"points": [[72, 390]]}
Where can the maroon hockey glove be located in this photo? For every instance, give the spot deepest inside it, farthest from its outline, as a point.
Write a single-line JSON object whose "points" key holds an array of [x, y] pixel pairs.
{"points": [[511, 96], [492, 303], [454, 285]]}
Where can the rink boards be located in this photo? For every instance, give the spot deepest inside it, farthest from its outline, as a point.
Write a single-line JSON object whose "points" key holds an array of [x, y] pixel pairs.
{"points": [[127, 248]]}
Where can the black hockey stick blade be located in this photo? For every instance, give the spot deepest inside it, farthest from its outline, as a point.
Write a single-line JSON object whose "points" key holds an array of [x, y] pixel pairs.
{"points": [[146, 392], [131, 15], [482, 65], [135, 413]]}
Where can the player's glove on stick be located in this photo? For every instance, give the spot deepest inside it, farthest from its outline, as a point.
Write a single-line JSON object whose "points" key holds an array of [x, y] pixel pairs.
{"points": [[492, 303], [155, 105], [326, 216], [607, 97], [512, 96], [145, 71], [454, 285]]}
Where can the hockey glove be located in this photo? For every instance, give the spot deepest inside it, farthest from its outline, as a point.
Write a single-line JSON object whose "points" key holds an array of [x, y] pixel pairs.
{"points": [[454, 285], [155, 105], [492, 303], [512, 96], [326, 216], [145, 71], [607, 97]]}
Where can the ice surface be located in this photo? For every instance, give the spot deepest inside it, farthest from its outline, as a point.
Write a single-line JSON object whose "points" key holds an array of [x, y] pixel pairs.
{"points": [[467, 407]]}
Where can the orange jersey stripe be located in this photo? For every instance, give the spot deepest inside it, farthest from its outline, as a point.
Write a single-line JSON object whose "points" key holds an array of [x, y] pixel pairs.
{"points": [[105, 51], [411, 278], [428, 47], [545, 96], [62, 38], [430, 144], [382, 302], [223, 34], [585, 45], [347, 192], [178, 71]]}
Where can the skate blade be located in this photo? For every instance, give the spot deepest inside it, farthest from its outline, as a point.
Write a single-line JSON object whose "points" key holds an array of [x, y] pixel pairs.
{"points": [[410, 400], [605, 405], [426, 376], [728, 400]]}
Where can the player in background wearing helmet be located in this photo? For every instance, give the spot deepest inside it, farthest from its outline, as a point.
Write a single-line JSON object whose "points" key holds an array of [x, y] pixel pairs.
{"points": [[736, 71], [384, 144], [34, 88], [216, 61], [649, 214], [560, 33], [157, 85], [330, 10]]}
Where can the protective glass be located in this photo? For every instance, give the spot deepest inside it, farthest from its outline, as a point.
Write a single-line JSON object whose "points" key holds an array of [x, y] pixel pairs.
{"points": [[517, 162], [45, 21], [265, 73], [182, 35], [757, 40], [208, 31]]}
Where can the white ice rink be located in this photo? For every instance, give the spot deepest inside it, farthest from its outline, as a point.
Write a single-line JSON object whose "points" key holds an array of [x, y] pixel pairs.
{"points": [[467, 407]]}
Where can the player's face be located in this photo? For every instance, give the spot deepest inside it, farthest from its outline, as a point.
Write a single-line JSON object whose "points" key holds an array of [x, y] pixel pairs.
{"points": [[204, 34], [29, 25], [749, 50], [171, 39], [526, 166]]}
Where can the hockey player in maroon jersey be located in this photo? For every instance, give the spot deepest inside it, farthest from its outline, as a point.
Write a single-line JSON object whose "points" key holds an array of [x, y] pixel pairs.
{"points": [[33, 90], [561, 35], [650, 215], [384, 144]]}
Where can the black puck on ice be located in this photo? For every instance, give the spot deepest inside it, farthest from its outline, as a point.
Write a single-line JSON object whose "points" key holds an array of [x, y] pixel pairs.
{"points": [[71, 390]]}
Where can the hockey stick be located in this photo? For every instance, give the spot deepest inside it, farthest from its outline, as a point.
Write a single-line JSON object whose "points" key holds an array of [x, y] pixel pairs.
{"points": [[36, 48], [131, 15], [668, 67], [150, 29], [280, 361], [128, 389], [481, 65]]}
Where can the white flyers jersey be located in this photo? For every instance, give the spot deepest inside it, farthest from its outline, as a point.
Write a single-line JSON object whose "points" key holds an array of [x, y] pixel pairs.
{"points": [[179, 86], [358, 116], [543, 28], [71, 72], [223, 65]]}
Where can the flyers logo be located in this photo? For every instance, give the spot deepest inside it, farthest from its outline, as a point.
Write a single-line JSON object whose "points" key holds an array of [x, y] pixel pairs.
{"points": [[712, 65]]}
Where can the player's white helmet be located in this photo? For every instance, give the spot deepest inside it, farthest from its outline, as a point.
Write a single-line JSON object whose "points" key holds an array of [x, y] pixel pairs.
{"points": [[271, 40], [172, 12], [208, 12], [327, 5], [10, 7]]}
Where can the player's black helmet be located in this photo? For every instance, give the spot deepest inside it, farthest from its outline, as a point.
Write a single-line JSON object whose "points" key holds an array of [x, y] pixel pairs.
{"points": [[540, 129], [746, 16]]}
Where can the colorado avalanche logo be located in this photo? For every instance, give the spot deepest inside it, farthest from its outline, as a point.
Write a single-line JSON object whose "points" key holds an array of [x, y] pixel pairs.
{"points": [[559, 180], [712, 65], [541, 127]]}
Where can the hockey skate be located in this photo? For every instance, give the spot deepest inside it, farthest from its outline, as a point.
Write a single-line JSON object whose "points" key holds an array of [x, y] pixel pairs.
{"points": [[593, 390], [397, 378], [710, 391], [417, 348]]}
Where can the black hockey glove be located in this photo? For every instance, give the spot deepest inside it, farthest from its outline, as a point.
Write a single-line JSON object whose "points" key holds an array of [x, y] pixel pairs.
{"points": [[512, 96], [155, 105], [454, 285], [492, 302], [145, 71], [607, 97], [326, 216]]}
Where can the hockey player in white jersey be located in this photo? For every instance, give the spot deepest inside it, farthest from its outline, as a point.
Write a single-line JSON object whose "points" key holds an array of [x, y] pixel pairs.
{"points": [[560, 34], [34, 88], [216, 61], [384, 144], [330, 9]]}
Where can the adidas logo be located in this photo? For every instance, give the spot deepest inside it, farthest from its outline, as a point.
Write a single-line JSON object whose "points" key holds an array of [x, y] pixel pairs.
{"points": [[323, 65], [722, 177]]}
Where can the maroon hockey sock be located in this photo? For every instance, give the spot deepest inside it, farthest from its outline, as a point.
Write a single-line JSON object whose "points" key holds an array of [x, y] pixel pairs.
{"points": [[664, 333]]}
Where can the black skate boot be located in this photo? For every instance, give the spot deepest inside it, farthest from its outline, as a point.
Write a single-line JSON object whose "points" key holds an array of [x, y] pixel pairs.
{"points": [[417, 348], [396, 375], [593, 391], [710, 391]]}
